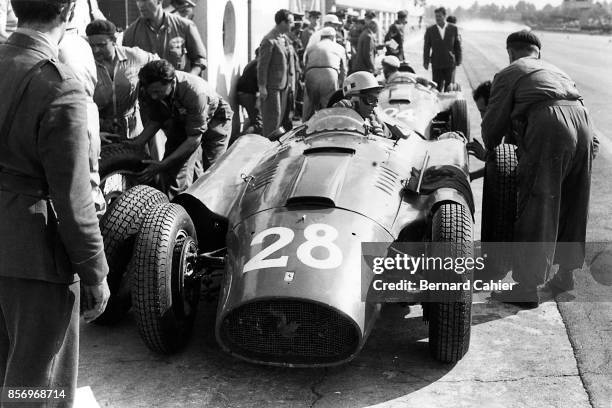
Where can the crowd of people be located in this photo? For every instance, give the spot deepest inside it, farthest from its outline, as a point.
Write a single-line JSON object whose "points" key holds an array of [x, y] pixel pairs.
{"points": [[65, 94]]}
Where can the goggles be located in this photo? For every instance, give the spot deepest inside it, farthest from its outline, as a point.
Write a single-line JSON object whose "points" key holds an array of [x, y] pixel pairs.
{"points": [[369, 99]]}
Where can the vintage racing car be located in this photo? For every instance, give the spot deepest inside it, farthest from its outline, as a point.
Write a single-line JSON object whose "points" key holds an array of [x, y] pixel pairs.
{"points": [[417, 104], [284, 221]]}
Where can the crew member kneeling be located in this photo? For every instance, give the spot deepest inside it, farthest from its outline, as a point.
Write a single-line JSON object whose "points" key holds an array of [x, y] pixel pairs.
{"points": [[191, 113]]}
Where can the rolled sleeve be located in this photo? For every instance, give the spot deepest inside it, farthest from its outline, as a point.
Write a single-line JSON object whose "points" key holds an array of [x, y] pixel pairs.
{"points": [[196, 52], [64, 149], [196, 120]]}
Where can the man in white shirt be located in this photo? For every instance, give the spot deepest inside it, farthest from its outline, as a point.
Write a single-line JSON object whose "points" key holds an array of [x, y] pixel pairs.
{"points": [[326, 68], [442, 48]]}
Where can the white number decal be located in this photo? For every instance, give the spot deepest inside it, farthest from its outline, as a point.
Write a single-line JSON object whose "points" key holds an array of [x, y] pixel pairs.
{"points": [[406, 114], [391, 112], [317, 235], [325, 240], [259, 261]]}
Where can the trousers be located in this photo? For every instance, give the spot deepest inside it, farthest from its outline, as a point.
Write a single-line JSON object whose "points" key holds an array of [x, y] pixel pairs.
{"points": [[273, 109], [39, 338], [555, 156], [443, 77], [320, 83]]}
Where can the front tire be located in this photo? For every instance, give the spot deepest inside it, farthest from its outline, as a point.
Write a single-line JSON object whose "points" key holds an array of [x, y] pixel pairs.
{"points": [[460, 121], [119, 227], [165, 293], [450, 321], [499, 202]]}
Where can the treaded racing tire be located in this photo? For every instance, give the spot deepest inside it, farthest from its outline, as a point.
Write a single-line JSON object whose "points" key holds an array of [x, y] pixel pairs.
{"points": [[164, 293], [450, 321], [499, 204], [119, 227], [118, 163], [460, 121]]}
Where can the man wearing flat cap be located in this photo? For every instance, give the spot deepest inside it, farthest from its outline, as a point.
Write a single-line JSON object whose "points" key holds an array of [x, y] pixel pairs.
{"points": [[540, 105], [394, 39], [49, 234]]}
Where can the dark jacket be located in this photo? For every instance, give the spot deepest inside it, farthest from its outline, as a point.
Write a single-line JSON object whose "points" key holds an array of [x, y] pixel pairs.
{"points": [[48, 227], [442, 52], [396, 33], [366, 52], [247, 82], [276, 62]]}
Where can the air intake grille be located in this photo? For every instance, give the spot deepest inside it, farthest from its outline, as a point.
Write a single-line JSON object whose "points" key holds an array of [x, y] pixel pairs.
{"points": [[289, 332]]}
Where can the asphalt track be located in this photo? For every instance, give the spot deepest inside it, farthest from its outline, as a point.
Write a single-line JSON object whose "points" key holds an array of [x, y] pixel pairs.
{"points": [[558, 355]]}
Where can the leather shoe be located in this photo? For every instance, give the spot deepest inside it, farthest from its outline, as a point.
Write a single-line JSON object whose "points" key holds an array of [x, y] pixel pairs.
{"points": [[563, 281], [523, 297]]}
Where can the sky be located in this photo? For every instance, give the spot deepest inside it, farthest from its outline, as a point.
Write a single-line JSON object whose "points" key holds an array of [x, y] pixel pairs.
{"points": [[452, 4]]}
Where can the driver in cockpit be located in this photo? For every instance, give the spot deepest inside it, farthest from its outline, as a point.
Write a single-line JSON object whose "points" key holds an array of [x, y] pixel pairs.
{"points": [[361, 91]]}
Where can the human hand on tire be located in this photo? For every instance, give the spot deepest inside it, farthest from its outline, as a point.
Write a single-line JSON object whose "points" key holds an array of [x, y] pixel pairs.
{"points": [[477, 150], [154, 168], [94, 299]]}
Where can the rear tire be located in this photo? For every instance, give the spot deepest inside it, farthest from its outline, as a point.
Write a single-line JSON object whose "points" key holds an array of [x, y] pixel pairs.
{"points": [[119, 227], [499, 210], [164, 292], [450, 321], [119, 162], [460, 121]]}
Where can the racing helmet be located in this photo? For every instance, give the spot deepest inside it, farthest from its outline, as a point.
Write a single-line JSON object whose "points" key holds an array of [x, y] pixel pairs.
{"points": [[359, 82]]}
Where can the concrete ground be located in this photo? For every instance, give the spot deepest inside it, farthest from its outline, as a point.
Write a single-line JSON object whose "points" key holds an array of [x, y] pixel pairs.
{"points": [[558, 355]]}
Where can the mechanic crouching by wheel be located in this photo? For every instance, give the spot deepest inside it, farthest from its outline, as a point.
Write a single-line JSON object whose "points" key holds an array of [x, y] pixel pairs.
{"points": [[195, 119], [541, 104], [361, 90]]}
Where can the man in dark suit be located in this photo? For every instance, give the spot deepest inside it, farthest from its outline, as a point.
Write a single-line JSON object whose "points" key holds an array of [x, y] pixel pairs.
{"points": [[44, 179], [442, 49], [275, 71], [366, 49]]}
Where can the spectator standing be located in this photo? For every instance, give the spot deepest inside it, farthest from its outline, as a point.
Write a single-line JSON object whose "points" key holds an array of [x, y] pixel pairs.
{"points": [[275, 72], [246, 93], [540, 105], [314, 17], [8, 20], [394, 39], [116, 94], [325, 70], [366, 48], [330, 20], [451, 19], [442, 48], [192, 116], [354, 33], [43, 179], [170, 36]]}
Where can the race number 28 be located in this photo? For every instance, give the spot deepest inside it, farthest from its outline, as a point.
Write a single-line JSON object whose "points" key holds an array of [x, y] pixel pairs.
{"points": [[315, 235]]}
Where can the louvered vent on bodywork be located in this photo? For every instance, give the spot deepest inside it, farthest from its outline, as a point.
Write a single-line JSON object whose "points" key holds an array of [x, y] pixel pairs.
{"points": [[264, 177], [387, 180]]}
